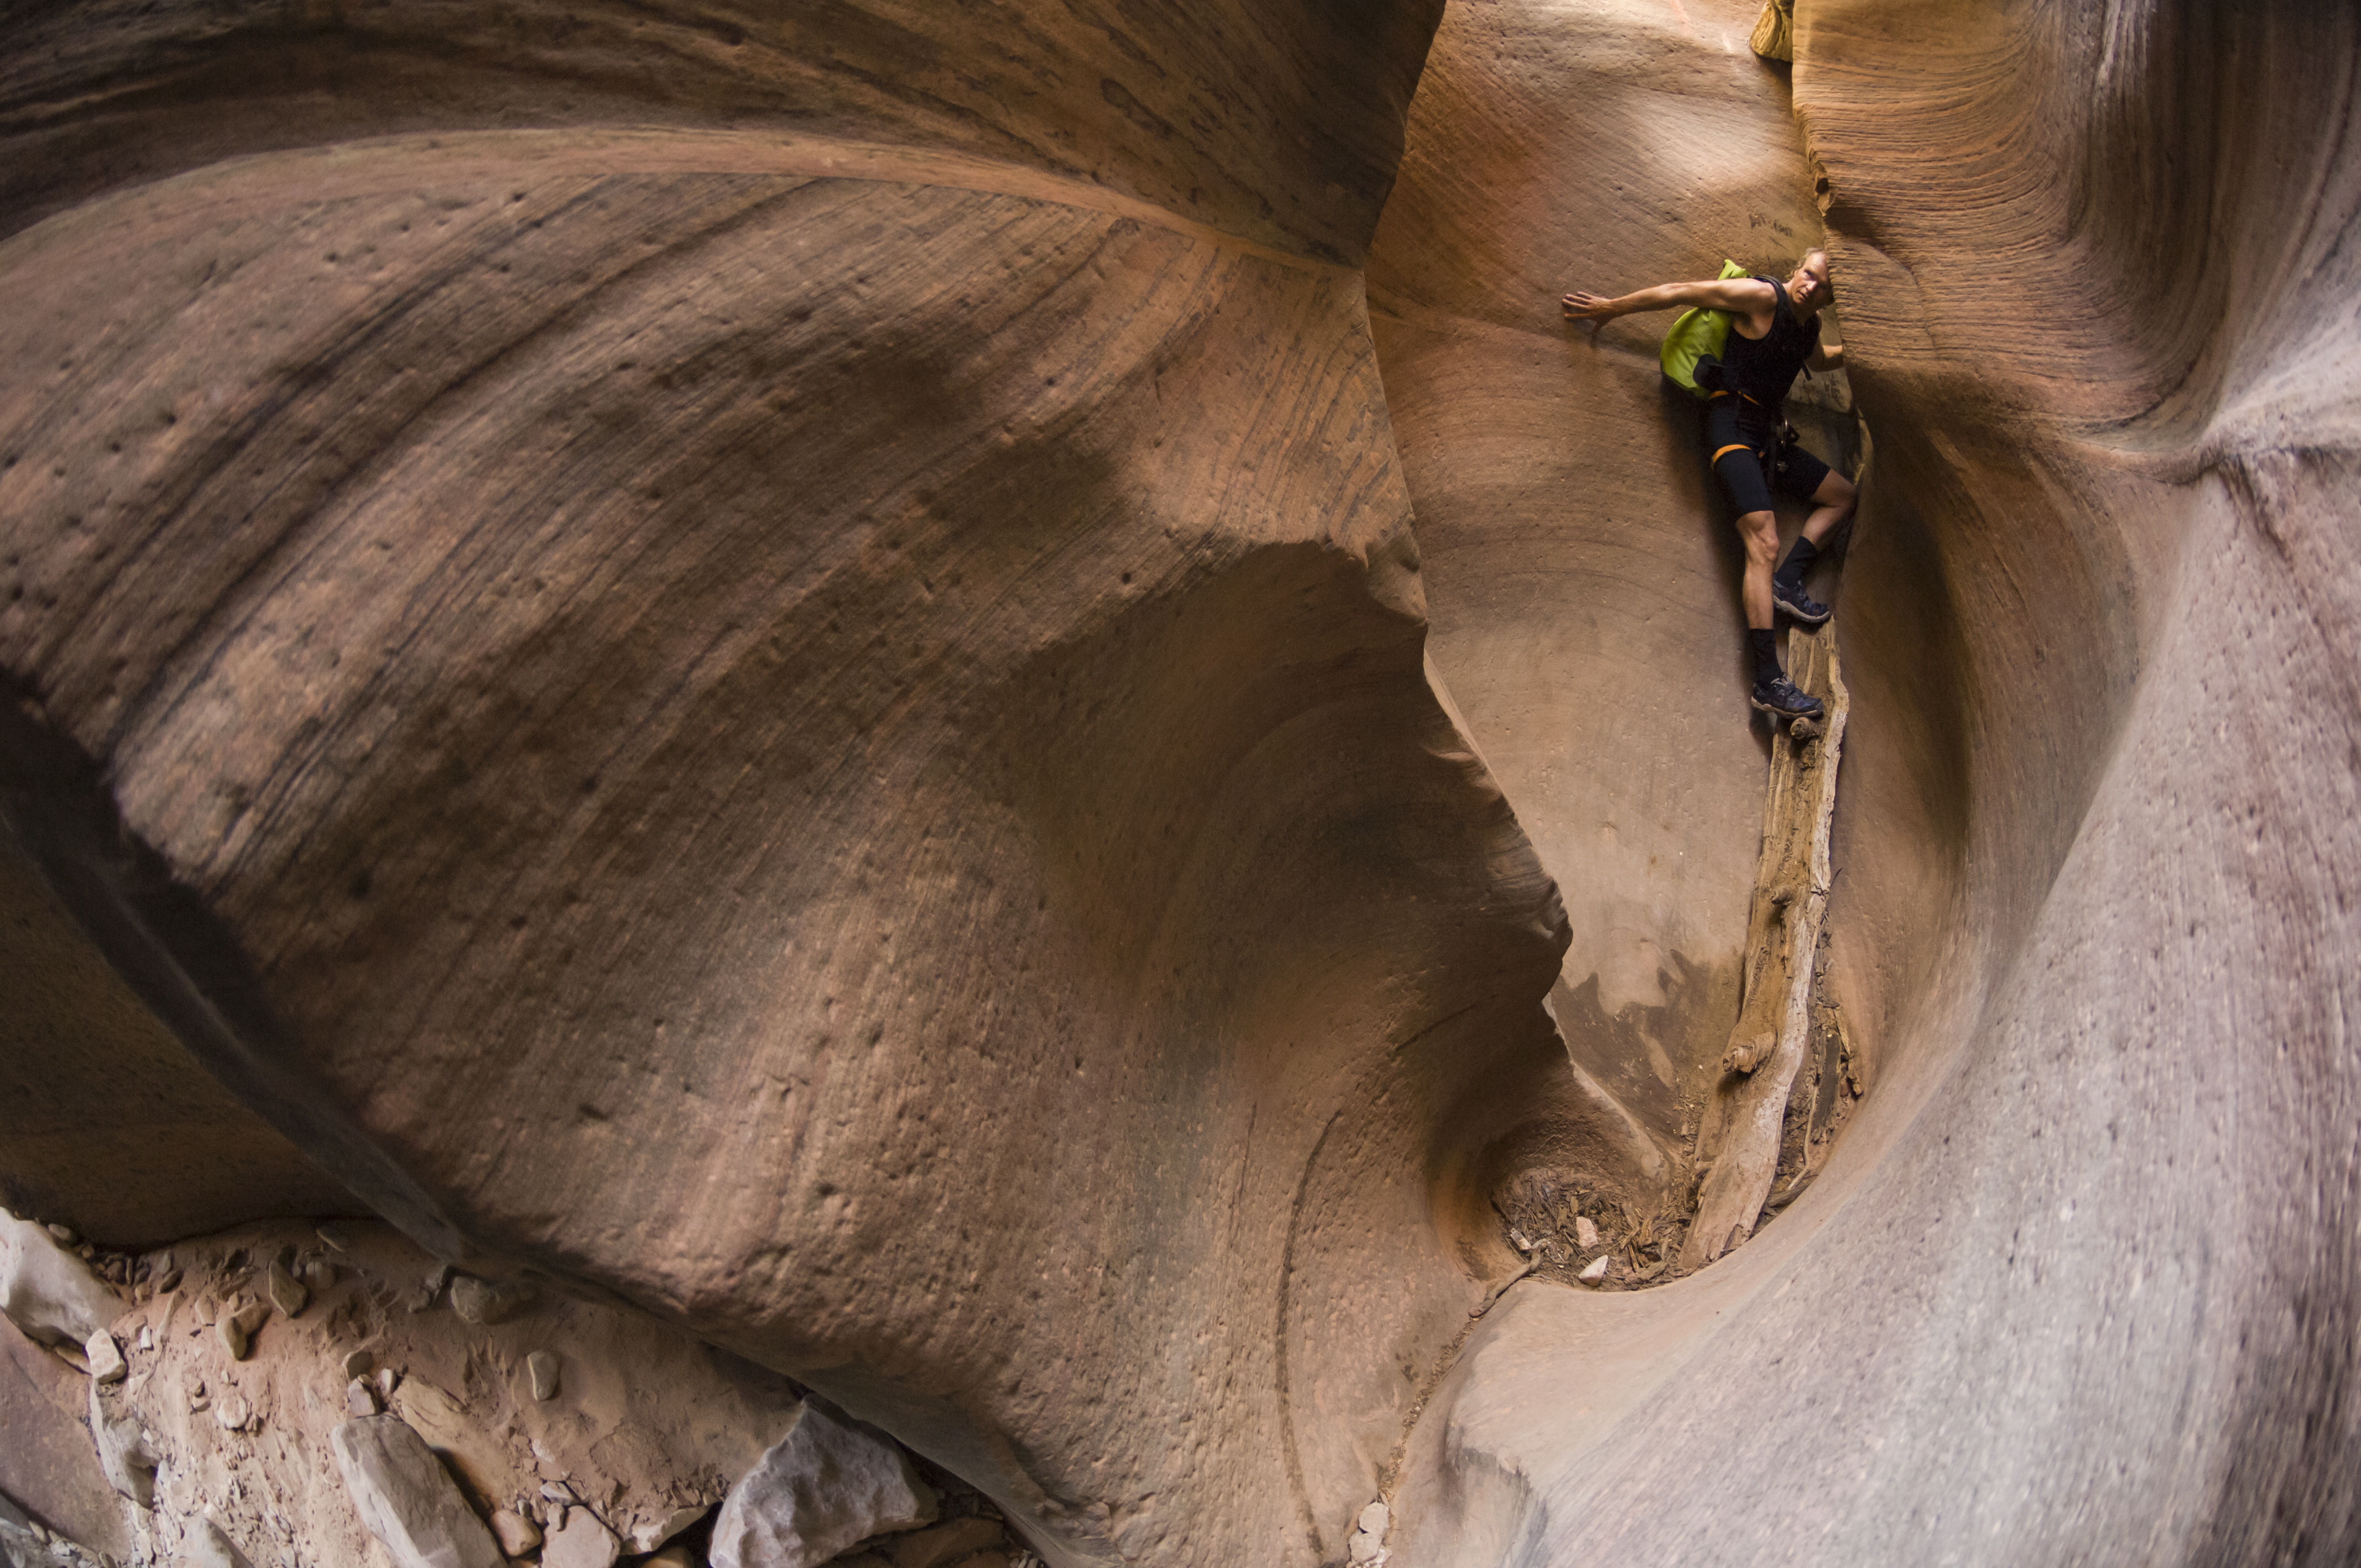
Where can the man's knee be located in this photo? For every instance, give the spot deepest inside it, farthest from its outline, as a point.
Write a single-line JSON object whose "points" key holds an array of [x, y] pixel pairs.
{"points": [[1836, 490], [1760, 531]]}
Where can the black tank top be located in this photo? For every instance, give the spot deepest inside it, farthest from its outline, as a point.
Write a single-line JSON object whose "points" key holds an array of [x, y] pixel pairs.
{"points": [[1764, 367]]}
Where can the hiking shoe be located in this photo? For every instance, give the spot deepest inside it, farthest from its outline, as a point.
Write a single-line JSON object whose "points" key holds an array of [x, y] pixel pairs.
{"points": [[1780, 698], [1798, 605]]}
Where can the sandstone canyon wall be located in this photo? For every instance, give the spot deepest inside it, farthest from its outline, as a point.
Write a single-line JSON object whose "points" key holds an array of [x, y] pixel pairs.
{"points": [[807, 712], [771, 668], [2078, 1283]]}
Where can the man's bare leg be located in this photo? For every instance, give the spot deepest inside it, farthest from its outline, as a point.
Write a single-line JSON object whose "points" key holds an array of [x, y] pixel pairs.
{"points": [[1760, 530], [1831, 504]]}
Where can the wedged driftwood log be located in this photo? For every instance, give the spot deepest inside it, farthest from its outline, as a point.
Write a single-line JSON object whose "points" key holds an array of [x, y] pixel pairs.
{"points": [[1740, 1131]]}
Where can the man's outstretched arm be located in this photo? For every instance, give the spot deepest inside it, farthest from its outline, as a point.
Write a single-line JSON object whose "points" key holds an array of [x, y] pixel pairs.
{"points": [[1743, 296]]}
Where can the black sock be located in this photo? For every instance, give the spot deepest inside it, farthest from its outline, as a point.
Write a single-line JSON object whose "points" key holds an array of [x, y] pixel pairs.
{"points": [[1800, 556], [1764, 645]]}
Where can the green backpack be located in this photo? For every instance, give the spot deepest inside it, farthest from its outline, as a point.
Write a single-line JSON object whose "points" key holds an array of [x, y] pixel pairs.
{"points": [[1698, 334]]}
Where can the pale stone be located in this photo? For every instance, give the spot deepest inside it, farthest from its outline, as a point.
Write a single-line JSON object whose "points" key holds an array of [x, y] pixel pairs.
{"points": [[580, 1542], [233, 1338], [50, 1295], [360, 1399], [105, 1358], [817, 1490], [125, 1454], [649, 1534], [430, 1290], [407, 1500], [488, 1300], [208, 1547], [516, 1533], [541, 1367], [233, 1412], [1586, 1234], [1364, 1547], [1596, 1269], [289, 1294]]}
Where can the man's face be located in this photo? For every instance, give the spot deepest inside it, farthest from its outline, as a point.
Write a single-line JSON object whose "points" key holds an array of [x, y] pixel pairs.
{"points": [[1809, 286]]}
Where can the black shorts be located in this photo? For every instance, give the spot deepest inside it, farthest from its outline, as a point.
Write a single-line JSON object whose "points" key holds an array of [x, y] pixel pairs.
{"points": [[1742, 446]]}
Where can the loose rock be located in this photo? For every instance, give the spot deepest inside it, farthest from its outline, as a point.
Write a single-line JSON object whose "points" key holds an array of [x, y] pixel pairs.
{"points": [[1596, 1269], [125, 1454], [817, 1490], [233, 1338], [430, 1290], [1374, 1519], [208, 1547], [233, 1412], [542, 1366], [289, 1294], [488, 1301], [360, 1399], [648, 1536], [407, 1500], [1586, 1234], [516, 1533], [105, 1358], [45, 1291], [580, 1542]]}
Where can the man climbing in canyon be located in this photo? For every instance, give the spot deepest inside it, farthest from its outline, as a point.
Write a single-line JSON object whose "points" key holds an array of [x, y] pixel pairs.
{"points": [[1775, 331]]}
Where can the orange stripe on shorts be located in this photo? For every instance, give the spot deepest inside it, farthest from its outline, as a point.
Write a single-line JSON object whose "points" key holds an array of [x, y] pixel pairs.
{"points": [[1725, 452]]}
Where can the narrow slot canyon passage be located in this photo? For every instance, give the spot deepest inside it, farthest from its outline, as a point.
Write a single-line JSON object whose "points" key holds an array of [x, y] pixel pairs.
{"points": [[750, 744], [1582, 579]]}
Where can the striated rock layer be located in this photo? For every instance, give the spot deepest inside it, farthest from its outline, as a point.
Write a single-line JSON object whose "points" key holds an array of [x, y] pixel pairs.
{"points": [[772, 667], [798, 718], [2079, 1283]]}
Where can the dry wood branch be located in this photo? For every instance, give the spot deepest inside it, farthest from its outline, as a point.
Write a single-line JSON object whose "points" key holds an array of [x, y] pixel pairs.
{"points": [[1740, 1133]]}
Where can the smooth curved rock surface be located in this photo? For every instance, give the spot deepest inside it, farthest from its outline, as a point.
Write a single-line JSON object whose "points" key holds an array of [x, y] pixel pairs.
{"points": [[2080, 1283], [1583, 584], [775, 665], [830, 739]]}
